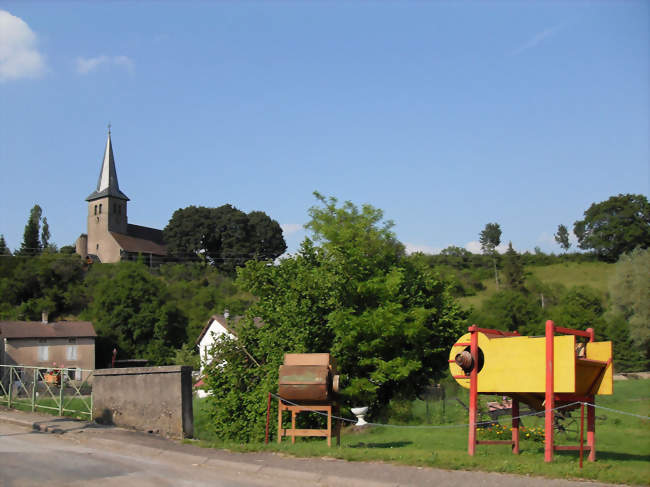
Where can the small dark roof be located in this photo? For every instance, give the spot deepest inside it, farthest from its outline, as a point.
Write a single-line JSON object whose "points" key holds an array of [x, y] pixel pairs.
{"points": [[140, 245], [37, 329]]}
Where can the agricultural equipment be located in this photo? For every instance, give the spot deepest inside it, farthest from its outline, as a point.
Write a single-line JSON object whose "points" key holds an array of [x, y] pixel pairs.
{"points": [[308, 382], [555, 371]]}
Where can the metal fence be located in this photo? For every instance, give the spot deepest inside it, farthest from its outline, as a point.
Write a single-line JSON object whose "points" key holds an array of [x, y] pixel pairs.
{"points": [[56, 389]]}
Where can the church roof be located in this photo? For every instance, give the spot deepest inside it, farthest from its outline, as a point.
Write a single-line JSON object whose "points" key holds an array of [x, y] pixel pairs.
{"points": [[138, 245], [107, 182]]}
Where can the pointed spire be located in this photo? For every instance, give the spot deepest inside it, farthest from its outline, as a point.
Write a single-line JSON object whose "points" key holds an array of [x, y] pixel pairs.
{"points": [[107, 183]]}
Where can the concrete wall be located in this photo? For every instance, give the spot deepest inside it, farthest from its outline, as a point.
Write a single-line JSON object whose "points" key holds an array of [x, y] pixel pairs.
{"points": [[157, 399]]}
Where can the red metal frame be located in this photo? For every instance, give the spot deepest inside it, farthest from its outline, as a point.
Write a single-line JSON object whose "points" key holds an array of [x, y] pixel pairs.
{"points": [[473, 394], [551, 397]]}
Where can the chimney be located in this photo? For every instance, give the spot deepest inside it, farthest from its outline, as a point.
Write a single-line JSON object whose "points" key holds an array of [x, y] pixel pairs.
{"points": [[226, 313], [44, 317]]}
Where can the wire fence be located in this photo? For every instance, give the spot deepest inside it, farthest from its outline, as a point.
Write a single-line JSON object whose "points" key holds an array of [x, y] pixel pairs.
{"points": [[62, 390]]}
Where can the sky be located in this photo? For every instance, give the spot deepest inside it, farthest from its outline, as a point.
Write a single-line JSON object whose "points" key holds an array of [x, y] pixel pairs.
{"points": [[446, 116]]}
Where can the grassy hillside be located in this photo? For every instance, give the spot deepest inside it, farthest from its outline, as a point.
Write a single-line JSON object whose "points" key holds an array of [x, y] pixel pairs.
{"points": [[593, 274]]}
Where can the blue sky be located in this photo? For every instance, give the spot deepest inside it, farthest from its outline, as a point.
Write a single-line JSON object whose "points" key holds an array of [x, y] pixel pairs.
{"points": [[446, 116]]}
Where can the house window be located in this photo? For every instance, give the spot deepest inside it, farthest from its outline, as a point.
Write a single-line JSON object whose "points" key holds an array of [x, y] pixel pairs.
{"points": [[72, 340], [119, 209], [114, 208], [71, 352], [43, 353]]}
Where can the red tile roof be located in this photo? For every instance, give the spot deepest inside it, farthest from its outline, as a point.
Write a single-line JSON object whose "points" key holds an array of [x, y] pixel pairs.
{"points": [[134, 244]]}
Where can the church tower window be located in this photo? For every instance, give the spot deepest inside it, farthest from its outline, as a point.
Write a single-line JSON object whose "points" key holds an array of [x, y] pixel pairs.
{"points": [[95, 209], [100, 208]]}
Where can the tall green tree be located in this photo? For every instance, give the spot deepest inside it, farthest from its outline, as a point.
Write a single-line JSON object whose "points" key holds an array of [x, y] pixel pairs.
{"points": [[490, 238], [615, 226], [224, 237], [388, 320], [45, 235], [562, 237], [513, 269], [4, 250], [31, 244], [131, 311]]}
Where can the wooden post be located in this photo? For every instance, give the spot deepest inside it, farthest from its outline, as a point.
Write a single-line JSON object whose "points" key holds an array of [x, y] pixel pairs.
{"points": [[293, 425], [515, 426], [279, 420], [473, 394], [329, 426], [549, 403]]}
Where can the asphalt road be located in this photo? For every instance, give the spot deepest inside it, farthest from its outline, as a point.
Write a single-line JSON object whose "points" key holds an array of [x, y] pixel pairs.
{"points": [[29, 458]]}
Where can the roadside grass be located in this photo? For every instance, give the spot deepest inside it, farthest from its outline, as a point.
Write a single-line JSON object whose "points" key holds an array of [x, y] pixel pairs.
{"points": [[48, 405], [622, 442], [592, 274]]}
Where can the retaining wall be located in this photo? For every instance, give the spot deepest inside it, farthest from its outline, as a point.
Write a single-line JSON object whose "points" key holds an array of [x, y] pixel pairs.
{"points": [[155, 399]]}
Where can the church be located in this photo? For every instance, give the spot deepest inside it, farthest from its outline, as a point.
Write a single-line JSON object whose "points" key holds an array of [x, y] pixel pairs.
{"points": [[110, 237]]}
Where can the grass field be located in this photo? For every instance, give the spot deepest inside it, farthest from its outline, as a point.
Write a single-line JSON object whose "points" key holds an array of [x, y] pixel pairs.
{"points": [[593, 274], [623, 442]]}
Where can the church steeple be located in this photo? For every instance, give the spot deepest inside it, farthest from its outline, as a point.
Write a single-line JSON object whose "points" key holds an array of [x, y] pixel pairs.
{"points": [[107, 183]]}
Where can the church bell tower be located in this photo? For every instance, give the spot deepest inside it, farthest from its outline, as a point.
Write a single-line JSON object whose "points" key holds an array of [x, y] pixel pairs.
{"points": [[106, 206]]}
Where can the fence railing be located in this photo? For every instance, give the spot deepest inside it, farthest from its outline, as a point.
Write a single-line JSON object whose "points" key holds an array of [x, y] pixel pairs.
{"points": [[59, 389]]}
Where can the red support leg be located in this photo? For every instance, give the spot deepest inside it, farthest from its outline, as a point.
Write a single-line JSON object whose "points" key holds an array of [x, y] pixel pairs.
{"points": [[591, 430], [549, 403], [473, 392], [515, 426]]}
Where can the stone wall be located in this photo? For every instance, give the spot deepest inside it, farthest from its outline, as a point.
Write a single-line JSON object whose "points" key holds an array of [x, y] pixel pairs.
{"points": [[156, 399]]}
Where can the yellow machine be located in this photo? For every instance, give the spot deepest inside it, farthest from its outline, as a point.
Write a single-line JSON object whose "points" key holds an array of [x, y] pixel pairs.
{"points": [[548, 372]]}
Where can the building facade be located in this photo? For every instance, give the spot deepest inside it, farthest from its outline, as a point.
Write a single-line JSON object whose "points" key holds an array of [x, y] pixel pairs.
{"points": [[69, 344], [110, 238]]}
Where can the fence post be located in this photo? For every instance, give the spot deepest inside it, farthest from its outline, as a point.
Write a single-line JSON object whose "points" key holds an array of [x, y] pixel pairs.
{"points": [[61, 385], [11, 385], [34, 384]]}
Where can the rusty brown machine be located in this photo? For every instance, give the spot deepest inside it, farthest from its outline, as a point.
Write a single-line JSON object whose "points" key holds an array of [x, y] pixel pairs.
{"points": [[308, 382]]}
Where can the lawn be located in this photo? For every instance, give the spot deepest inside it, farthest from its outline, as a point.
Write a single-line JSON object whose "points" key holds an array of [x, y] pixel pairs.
{"points": [[623, 442]]}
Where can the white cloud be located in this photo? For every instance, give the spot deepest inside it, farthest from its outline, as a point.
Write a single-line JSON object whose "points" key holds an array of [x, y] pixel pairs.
{"points": [[290, 228], [425, 249], [536, 40], [475, 247], [19, 57], [86, 65]]}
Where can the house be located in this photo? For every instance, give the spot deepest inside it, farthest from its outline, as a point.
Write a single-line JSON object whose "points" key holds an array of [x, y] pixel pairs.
{"points": [[110, 237], [69, 344], [217, 326]]}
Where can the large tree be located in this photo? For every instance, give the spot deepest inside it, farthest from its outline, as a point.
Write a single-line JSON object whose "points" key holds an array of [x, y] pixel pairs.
{"points": [[224, 237], [513, 269], [4, 250], [31, 244], [615, 226], [562, 237], [490, 238], [388, 320]]}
